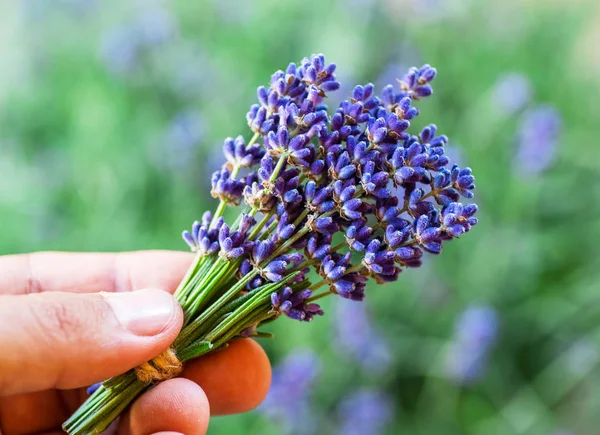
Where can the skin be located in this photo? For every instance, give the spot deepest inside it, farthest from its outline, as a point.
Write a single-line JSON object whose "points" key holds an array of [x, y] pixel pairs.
{"points": [[58, 335]]}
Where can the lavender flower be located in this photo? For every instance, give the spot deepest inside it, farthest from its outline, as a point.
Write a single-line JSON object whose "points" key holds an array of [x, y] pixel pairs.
{"points": [[119, 50], [204, 236], [475, 333], [416, 81], [186, 130], [537, 139], [312, 192], [155, 27], [122, 48], [364, 153], [356, 336], [288, 397], [92, 388], [365, 412], [511, 93], [177, 146], [294, 305]]}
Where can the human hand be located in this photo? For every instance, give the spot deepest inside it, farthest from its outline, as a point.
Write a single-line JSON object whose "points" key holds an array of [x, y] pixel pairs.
{"points": [[58, 335]]}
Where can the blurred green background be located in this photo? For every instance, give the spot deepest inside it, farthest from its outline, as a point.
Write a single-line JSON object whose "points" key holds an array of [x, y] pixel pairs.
{"points": [[112, 116]]}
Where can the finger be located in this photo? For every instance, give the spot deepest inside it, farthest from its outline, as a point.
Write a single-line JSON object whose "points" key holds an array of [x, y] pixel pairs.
{"points": [[92, 273], [64, 340], [38, 412], [174, 406], [220, 374], [235, 379]]}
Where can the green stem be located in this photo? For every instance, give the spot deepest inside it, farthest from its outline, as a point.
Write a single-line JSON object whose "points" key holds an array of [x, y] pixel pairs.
{"points": [[193, 294], [356, 268], [253, 139], [318, 285], [261, 224], [209, 286], [319, 296], [219, 211], [278, 167], [241, 312], [192, 273], [300, 217], [338, 246], [184, 337]]}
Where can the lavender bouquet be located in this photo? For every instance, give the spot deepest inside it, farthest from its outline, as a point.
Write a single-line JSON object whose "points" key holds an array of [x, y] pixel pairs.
{"points": [[348, 194]]}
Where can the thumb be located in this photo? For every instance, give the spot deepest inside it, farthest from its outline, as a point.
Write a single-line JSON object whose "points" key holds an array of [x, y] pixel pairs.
{"points": [[66, 340]]}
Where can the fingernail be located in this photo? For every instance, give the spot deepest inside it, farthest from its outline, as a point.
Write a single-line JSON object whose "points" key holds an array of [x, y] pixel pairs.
{"points": [[142, 312]]}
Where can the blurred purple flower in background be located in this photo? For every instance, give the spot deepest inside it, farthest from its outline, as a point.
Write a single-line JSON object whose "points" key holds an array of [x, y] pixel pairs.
{"points": [[235, 11], [155, 27], [186, 130], [475, 332], [175, 149], [178, 148], [537, 139], [365, 412], [356, 337], [121, 48], [288, 399], [511, 93], [188, 72]]}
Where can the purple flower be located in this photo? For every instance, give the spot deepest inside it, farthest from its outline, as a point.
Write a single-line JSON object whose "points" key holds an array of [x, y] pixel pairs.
{"points": [[186, 129], [238, 154], [356, 337], [428, 235], [204, 237], [288, 399], [227, 188], [416, 82], [155, 27], [380, 261], [317, 73], [350, 286], [294, 304], [359, 173], [511, 92], [458, 219], [178, 146], [318, 246], [537, 139], [365, 412], [358, 234], [462, 180], [334, 266], [233, 243], [476, 331], [92, 388], [122, 48], [373, 181]]}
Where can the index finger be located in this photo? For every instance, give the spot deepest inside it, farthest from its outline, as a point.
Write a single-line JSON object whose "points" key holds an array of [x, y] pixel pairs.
{"points": [[92, 272]]}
